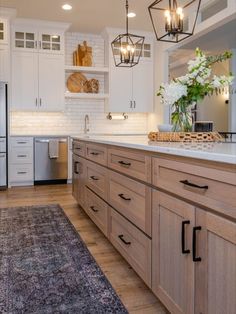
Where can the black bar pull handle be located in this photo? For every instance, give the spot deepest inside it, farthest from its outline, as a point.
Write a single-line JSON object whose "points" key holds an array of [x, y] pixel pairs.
{"points": [[123, 197], [75, 167], [94, 154], [94, 178], [195, 258], [184, 250], [121, 237], [93, 209], [186, 182], [123, 163]]}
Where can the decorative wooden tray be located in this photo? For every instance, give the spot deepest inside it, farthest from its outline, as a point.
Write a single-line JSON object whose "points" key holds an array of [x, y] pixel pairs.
{"points": [[185, 137]]}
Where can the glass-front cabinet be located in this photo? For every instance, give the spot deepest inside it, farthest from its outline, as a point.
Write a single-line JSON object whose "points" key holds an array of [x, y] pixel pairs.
{"points": [[37, 40], [50, 42], [3, 31], [25, 40]]}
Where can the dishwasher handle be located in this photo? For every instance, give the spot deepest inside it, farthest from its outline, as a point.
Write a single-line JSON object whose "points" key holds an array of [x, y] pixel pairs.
{"points": [[47, 141]]}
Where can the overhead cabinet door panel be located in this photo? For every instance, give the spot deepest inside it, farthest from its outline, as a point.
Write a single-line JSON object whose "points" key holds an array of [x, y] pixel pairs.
{"points": [[24, 80], [51, 82]]}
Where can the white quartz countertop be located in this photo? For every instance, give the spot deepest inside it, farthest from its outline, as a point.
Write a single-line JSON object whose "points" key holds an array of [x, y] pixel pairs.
{"points": [[219, 152]]}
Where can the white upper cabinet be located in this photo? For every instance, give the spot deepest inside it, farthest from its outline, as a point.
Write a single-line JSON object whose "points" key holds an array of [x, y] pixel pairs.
{"points": [[4, 63], [120, 94], [50, 41], [131, 89], [37, 66], [143, 87], [51, 78], [4, 50], [43, 39], [24, 81], [24, 40]]}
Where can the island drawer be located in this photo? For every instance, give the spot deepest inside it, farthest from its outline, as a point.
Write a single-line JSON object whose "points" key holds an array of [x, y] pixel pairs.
{"points": [[132, 199], [78, 148], [96, 179], [134, 164], [133, 245], [97, 210], [96, 153], [211, 187]]}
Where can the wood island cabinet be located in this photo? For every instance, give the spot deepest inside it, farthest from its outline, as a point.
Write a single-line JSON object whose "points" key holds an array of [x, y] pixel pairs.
{"points": [[172, 218]]}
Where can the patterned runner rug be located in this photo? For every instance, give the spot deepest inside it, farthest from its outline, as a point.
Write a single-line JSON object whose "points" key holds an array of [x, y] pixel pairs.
{"points": [[45, 267]]}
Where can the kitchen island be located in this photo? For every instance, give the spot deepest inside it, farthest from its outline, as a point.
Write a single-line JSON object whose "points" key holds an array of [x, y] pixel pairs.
{"points": [[170, 210]]}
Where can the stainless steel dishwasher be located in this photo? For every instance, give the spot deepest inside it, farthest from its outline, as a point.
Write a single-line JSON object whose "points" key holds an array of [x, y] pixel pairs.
{"points": [[48, 169]]}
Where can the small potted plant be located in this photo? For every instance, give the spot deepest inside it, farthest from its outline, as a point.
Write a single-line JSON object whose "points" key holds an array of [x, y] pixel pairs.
{"points": [[182, 93]]}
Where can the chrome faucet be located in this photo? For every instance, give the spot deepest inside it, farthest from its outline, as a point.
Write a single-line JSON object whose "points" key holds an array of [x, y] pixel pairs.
{"points": [[86, 124]]}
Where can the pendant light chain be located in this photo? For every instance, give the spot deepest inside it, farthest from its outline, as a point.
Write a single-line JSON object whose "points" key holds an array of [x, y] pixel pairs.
{"points": [[127, 19], [127, 48]]}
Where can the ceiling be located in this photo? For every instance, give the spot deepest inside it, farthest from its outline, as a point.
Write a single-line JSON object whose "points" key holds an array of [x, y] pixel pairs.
{"points": [[89, 16]]}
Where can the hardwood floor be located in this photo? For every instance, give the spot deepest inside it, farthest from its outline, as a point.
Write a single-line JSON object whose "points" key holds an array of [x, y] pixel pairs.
{"points": [[133, 292]]}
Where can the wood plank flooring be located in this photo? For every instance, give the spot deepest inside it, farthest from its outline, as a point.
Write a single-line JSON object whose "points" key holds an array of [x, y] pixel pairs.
{"points": [[133, 292]]}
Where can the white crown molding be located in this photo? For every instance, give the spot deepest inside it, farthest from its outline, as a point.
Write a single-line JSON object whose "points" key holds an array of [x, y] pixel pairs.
{"points": [[42, 24], [109, 31], [7, 12]]}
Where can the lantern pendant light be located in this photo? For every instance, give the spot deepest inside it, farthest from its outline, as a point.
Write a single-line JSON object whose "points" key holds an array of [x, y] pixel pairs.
{"points": [[167, 17], [127, 48]]}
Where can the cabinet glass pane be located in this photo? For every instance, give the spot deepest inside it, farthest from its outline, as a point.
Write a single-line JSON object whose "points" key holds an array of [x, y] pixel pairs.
{"points": [[147, 54], [29, 36], [56, 39], [1, 26], [30, 44], [1, 35], [19, 43], [147, 47], [46, 46], [55, 46], [46, 37], [19, 35]]}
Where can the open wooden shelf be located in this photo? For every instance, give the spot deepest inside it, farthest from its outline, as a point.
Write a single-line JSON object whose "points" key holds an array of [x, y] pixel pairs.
{"points": [[86, 95], [94, 70]]}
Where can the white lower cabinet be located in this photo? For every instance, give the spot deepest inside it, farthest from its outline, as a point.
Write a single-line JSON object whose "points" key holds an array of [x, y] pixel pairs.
{"points": [[21, 161]]}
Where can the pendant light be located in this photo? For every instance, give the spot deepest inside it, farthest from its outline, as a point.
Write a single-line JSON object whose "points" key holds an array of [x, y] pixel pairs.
{"points": [[127, 48], [167, 18]]}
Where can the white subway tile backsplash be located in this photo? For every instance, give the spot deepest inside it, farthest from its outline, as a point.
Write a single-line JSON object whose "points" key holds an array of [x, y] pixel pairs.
{"points": [[71, 121]]}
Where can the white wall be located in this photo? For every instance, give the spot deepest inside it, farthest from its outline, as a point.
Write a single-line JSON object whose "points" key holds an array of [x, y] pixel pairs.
{"points": [[71, 121]]}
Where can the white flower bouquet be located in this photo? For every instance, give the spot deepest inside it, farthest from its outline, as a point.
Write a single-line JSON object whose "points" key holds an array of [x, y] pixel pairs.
{"points": [[185, 91]]}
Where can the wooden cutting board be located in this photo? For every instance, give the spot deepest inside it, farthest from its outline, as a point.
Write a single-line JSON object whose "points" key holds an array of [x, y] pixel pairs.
{"points": [[76, 82]]}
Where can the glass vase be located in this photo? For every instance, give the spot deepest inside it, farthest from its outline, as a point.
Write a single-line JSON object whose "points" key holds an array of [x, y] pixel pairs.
{"points": [[182, 116]]}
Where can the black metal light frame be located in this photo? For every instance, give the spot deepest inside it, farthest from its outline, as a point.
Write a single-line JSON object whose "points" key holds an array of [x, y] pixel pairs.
{"points": [[175, 36], [127, 39]]}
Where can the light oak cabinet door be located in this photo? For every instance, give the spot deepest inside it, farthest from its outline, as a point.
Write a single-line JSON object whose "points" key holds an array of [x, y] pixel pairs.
{"points": [[51, 82], [24, 81], [172, 266], [216, 272], [78, 180]]}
